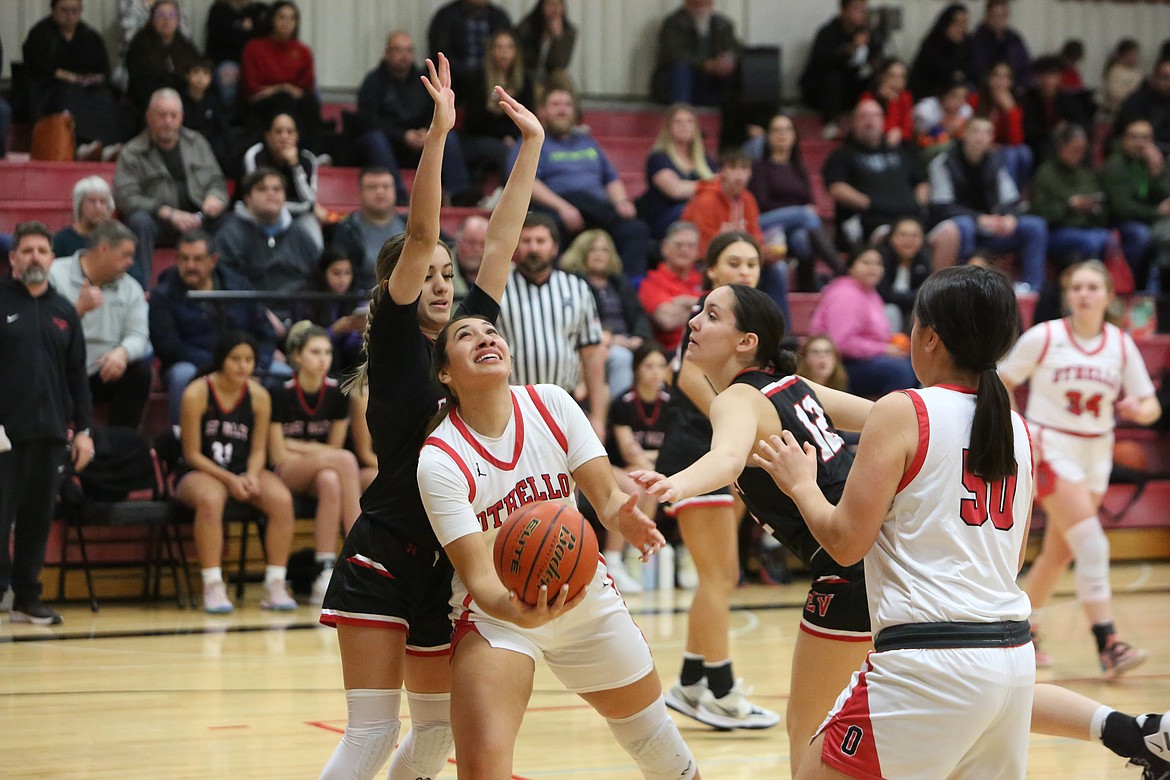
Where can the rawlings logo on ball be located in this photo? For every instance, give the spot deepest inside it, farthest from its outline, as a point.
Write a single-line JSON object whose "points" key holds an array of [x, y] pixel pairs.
{"points": [[566, 542]]}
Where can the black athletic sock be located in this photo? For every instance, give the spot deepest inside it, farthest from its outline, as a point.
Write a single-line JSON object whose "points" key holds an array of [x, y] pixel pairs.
{"points": [[1122, 735], [692, 669], [720, 679], [1102, 632]]}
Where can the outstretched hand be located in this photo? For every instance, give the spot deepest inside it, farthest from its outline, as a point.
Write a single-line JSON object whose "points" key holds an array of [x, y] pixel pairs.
{"points": [[788, 464], [638, 529], [530, 126], [657, 485], [438, 84]]}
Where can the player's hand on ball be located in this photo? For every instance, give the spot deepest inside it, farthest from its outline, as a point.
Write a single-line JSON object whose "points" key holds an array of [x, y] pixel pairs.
{"points": [[536, 615], [638, 529], [782, 457]]}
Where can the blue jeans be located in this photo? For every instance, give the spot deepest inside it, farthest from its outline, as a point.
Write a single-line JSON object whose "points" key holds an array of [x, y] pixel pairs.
{"points": [[1135, 243], [774, 282], [1086, 243], [1018, 160], [177, 376], [377, 151], [797, 221], [688, 84], [1029, 243], [874, 377], [619, 370]]}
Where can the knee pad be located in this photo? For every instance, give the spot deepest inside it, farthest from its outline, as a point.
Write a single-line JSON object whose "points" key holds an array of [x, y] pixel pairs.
{"points": [[370, 734], [424, 752], [653, 741], [1090, 548]]}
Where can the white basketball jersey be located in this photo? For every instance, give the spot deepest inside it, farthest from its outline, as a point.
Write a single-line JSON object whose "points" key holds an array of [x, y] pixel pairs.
{"points": [[949, 548], [1074, 383], [470, 483]]}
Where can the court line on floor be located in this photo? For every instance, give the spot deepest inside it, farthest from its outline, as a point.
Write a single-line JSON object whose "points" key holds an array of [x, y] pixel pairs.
{"points": [[58, 635]]}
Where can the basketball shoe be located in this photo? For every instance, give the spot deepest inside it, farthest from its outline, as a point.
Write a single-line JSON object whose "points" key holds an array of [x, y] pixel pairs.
{"points": [[215, 600], [34, 612], [320, 585], [1120, 657], [276, 598], [622, 579], [686, 698], [734, 711], [1155, 761]]}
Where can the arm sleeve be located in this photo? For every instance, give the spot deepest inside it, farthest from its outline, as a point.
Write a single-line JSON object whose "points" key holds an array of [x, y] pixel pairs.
{"points": [[1024, 358], [608, 172], [128, 192], [651, 294], [1136, 379], [444, 496], [583, 443], [836, 168]]}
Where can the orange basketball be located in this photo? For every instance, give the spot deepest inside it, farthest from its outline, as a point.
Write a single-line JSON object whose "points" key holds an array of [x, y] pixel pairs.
{"points": [[545, 543], [1129, 454]]}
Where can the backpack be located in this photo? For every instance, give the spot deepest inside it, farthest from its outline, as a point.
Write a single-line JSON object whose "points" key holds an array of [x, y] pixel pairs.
{"points": [[123, 463]]}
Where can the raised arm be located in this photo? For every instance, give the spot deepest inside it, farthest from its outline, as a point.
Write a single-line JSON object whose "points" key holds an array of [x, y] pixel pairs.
{"points": [[426, 197], [849, 412], [508, 217], [617, 510]]}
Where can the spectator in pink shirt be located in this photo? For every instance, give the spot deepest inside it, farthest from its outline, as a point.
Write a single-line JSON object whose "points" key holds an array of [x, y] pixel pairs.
{"points": [[851, 313]]}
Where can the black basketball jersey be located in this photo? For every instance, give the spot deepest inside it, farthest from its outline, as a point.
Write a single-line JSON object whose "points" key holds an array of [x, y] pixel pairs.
{"points": [[802, 415], [647, 420], [404, 396], [227, 435], [308, 419]]}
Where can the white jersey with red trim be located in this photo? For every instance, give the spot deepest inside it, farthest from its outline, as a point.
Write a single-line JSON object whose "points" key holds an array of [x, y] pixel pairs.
{"points": [[1074, 382], [949, 547], [470, 483]]}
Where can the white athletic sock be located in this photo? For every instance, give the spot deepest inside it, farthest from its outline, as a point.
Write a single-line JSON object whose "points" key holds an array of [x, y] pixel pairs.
{"points": [[326, 559], [212, 575], [1097, 723], [275, 574]]}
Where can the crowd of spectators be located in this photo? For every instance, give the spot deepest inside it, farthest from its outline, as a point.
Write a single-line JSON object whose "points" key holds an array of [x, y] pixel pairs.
{"points": [[973, 148]]}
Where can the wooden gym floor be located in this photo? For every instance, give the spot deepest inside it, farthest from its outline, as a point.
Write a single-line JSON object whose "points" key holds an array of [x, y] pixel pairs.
{"points": [[151, 691]]}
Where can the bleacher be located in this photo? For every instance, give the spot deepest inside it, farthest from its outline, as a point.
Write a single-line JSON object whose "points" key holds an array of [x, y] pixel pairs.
{"points": [[42, 190]]}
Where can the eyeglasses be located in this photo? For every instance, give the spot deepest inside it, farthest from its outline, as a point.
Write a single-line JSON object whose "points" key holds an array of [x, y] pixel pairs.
{"points": [[166, 15]]}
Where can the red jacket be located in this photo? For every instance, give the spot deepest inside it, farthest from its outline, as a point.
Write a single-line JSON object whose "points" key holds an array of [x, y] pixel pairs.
{"points": [[1009, 125], [267, 62], [899, 112], [712, 212]]}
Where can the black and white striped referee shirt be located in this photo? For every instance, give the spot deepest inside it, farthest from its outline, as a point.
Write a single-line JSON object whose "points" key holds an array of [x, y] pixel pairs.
{"points": [[545, 325]]}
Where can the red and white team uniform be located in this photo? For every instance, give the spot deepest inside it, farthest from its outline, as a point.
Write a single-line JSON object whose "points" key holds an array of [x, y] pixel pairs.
{"points": [[1073, 384], [471, 483], [948, 690]]}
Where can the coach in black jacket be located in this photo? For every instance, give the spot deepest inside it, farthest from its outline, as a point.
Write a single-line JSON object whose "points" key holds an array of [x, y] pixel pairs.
{"points": [[44, 391]]}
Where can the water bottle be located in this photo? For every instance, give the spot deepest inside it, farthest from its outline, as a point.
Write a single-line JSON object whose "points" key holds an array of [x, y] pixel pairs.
{"points": [[666, 568]]}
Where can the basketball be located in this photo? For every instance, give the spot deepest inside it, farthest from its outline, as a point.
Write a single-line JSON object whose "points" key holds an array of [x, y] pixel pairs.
{"points": [[545, 543]]}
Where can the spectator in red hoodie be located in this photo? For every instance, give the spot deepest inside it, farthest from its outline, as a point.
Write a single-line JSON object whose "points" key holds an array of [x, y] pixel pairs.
{"points": [[278, 76]]}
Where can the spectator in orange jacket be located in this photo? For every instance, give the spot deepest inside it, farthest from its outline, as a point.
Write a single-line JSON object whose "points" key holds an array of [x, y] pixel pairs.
{"points": [[724, 203]]}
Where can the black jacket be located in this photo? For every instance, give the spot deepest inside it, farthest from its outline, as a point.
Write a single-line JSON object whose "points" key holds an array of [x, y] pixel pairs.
{"points": [[184, 330], [959, 189], [919, 270], [44, 389]]}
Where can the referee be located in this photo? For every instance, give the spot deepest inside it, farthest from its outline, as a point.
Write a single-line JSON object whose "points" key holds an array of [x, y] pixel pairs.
{"points": [[44, 390], [549, 319]]}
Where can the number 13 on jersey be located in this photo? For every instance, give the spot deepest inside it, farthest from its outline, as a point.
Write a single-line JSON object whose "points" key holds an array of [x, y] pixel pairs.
{"points": [[988, 500]]}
